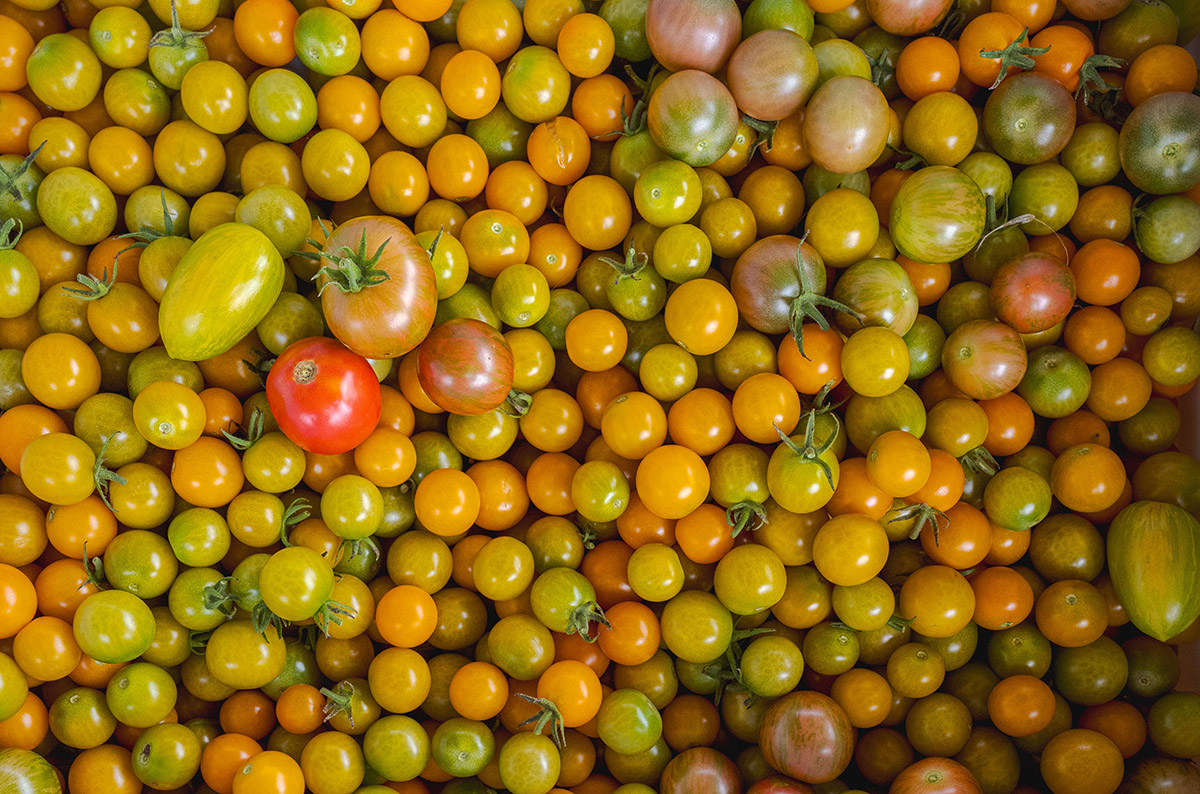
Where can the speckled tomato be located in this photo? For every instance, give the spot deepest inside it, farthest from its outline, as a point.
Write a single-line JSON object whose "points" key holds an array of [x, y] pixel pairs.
{"points": [[938, 215], [465, 367], [807, 735], [26, 772]]}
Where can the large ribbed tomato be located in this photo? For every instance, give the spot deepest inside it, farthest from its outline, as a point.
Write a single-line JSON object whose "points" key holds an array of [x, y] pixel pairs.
{"points": [[378, 290], [324, 397]]}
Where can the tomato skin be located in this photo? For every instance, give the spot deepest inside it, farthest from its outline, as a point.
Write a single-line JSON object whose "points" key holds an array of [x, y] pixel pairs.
{"points": [[1152, 553], [693, 117], [808, 736], [223, 287], [679, 43], [700, 769], [938, 215], [1033, 292], [26, 772], [325, 398], [935, 776], [465, 366], [389, 318]]}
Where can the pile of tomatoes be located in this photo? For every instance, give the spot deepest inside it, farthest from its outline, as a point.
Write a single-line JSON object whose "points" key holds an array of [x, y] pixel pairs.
{"points": [[581, 397]]}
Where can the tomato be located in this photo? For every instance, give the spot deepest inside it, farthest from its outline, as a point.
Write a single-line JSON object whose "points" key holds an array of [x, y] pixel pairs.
{"points": [[465, 367], [984, 359], [772, 73], [325, 398], [693, 117], [827, 124], [938, 215], [113, 626], [203, 314], [808, 736], [1159, 147], [1163, 603], [23, 770]]}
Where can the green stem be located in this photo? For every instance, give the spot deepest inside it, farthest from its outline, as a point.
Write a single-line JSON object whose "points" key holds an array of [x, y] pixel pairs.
{"points": [[176, 36], [339, 700], [979, 460], [924, 514], [581, 618], [102, 476], [808, 305], [547, 715], [745, 515], [8, 240], [254, 431], [8, 179], [1017, 55], [352, 271]]}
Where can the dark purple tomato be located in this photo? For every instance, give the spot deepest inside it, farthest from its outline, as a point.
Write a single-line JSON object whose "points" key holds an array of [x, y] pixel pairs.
{"points": [[846, 124], [693, 117], [1056, 382], [766, 280], [772, 74], [1160, 144], [1029, 118], [984, 359], [700, 770], [935, 776], [693, 34], [807, 736], [465, 366], [1032, 292], [908, 17]]}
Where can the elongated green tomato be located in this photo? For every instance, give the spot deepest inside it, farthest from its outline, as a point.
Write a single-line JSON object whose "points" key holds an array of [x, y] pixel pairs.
{"points": [[223, 287], [26, 772], [1154, 562]]}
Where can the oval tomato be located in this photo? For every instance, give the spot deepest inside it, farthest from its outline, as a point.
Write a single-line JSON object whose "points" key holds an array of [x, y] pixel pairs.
{"points": [[378, 289], [324, 397], [222, 287], [1153, 554]]}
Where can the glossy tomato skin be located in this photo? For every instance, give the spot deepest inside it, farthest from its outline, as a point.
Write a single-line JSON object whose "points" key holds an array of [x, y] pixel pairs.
{"points": [[1160, 144], [700, 769], [908, 17], [325, 398], [26, 772], [693, 117], [693, 34], [935, 776], [807, 735], [938, 215], [465, 367], [391, 317], [1152, 553], [766, 280], [221, 289], [1029, 118], [1033, 292], [984, 359], [772, 74]]}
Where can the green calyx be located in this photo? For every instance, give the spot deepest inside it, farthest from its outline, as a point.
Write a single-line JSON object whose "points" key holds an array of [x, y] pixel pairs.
{"points": [[1017, 55], [352, 270], [808, 304]]}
